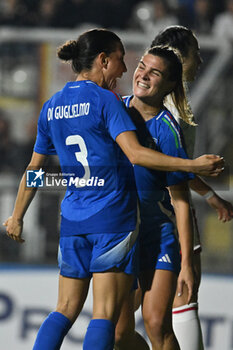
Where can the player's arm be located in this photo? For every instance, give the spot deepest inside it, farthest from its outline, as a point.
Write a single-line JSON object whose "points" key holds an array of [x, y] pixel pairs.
{"points": [[180, 200], [14, 224], [206, 165], [223, 208]]}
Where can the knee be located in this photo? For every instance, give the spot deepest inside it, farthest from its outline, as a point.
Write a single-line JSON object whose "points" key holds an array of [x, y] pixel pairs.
{"points": [[68, 308], [159, 327], [154, 324], [122, 337]]}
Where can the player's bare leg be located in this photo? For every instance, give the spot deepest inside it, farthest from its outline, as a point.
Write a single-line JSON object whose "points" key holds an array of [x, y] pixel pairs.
{"points": [[137, 298], [158, 289], [125, 335], [71, 297], [110, 289], [185, 317]]}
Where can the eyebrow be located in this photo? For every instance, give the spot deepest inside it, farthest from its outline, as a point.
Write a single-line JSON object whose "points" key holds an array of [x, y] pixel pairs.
{"points": [[153, 69]]}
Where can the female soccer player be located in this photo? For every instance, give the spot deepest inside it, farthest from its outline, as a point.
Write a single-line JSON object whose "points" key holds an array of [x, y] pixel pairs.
{"points": [[83, 124], [159, 73], [186, 322]]}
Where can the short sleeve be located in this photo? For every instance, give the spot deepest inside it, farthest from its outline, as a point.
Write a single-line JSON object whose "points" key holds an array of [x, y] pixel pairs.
{"points": [[116, 117], [170, 142], [43, 144]]}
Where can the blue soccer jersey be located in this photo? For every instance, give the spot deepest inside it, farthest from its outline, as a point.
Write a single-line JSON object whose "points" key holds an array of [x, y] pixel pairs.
{"points": [[163, 134], [80, 124]]}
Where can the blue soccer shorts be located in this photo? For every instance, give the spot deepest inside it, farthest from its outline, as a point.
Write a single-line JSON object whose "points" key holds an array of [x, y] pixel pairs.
{"points": [[79, 256], [159, 249]]}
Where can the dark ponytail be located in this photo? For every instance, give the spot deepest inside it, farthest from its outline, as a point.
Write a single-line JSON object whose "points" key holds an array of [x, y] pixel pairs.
{"points": [[68, 51], [83, 51]]}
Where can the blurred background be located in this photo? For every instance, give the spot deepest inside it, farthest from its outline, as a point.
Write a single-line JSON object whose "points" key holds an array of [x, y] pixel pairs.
{"points": [[30, 32]]}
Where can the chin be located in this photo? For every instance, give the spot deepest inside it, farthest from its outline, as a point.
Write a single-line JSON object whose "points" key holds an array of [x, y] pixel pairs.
{"points": [[139, 92], [142, 98]]}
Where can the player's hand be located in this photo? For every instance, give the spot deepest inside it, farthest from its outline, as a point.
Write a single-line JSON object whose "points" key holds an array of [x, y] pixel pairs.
{"points": [[208, 165], [14, 228], [223, 208], [186, 276]]}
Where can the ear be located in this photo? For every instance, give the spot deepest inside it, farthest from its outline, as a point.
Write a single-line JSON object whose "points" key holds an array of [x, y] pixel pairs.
{"points": [[103, 59]]}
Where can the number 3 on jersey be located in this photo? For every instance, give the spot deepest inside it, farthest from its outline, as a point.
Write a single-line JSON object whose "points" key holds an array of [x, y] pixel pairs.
{"points": [[81, 156]]}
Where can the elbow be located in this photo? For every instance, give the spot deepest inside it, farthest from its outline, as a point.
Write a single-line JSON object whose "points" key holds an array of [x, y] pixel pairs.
{"points": [[133, 158]]}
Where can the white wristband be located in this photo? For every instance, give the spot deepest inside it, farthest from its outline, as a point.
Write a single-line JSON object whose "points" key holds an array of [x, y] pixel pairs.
{"points": [[209, 194]]}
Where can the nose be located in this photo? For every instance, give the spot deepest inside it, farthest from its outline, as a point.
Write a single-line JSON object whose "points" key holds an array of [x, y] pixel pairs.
{"points": [[144, 75]]}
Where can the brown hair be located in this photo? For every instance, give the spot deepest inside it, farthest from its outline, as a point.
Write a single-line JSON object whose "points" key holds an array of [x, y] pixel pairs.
{"points": [[175, 74]]}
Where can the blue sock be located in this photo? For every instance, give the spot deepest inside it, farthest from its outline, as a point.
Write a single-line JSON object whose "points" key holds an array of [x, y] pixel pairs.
{"points": [[52, 332], [100, 335]]}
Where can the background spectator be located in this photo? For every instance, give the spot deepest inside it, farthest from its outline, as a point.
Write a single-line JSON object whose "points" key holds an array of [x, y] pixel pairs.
{"points": [[223, 24], [152, 17], [203, 16], [18, 13], [9, 150], [70, 13], [47, 13]]}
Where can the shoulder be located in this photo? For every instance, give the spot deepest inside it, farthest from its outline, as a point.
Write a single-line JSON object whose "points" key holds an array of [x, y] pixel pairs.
{"points": [[166, 117], [45, 107], [108, 98], [52, 100], [108, 94], [126, 100], [169, 127], [170, 106]]}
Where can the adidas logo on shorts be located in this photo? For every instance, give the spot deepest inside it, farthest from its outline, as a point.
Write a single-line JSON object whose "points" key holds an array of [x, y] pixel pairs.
{"points": [[166, 259]]}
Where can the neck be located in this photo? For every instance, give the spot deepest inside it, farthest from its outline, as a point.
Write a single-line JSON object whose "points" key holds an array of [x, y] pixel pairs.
{"points": [[92, 75], [146, 110]]}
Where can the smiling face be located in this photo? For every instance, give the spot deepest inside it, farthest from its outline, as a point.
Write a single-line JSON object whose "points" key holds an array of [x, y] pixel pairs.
{"points": [[114, 69], [151, 79]]}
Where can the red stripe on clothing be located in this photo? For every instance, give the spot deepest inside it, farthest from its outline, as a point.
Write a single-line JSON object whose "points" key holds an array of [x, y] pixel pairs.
{"points": [[169, 115], [115, 95], [184, 310]]}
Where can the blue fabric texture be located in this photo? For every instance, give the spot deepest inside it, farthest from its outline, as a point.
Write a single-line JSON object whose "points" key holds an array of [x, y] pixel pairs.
{"points": [[100, 335], [80, 124], [52, 332]]}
